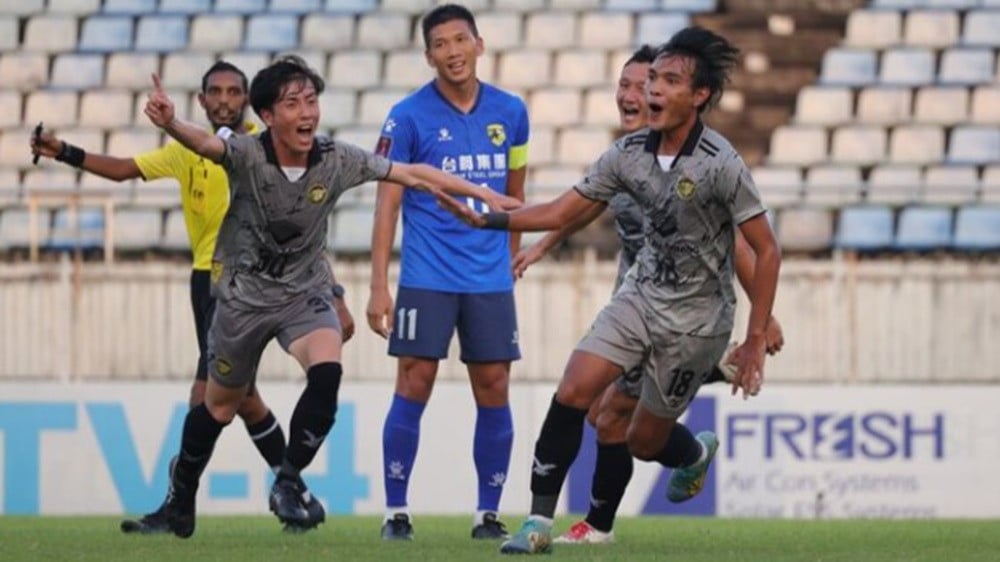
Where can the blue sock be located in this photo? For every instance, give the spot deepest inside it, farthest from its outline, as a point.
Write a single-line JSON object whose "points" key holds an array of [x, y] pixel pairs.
{"points": [[400, 437], [491, 451]]}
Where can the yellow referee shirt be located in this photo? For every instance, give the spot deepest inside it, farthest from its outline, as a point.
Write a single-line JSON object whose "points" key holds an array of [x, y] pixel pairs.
{"points": [[204, 192]]}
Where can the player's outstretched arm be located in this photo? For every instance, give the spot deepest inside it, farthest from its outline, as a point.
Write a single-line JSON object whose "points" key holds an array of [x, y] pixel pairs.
{"points": [[544, 216], [48, 145], [428, 178], [537, 251], [160, 110]]}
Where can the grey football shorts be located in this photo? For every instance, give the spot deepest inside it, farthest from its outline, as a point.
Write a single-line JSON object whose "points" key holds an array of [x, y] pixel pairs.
{"points": [[239, 335]]}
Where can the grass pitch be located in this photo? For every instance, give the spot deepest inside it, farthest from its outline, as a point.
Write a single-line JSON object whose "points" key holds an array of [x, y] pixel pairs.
{"points": [[245, 539]]}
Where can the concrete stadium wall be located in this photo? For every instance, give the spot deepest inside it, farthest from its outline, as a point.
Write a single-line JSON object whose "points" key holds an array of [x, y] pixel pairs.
{"points": [[845, 321]]}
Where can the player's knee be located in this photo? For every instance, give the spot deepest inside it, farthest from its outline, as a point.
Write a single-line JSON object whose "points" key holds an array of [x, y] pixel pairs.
{"points": [[640, 445], [571, 393], [415, 380], [324, 382], [612, 427], [222, 411], [253, 409]]}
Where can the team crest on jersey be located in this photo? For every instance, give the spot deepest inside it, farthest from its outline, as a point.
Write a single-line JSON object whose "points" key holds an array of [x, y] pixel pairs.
{"points": [[316, 194], [496, 133], [686, 188], [223, 367], [216, 273]]}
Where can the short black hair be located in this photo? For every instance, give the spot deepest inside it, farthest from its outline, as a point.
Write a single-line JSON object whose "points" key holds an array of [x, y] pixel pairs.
{"points": [[268, 84], [713, 55], [643, 55], [444, 14], [222, 66]]}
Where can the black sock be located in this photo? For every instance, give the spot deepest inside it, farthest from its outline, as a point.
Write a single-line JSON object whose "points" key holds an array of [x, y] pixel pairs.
{"points": [[201, 431], [556, 448], [269, 439], [682, 449], [313, 417], [611, 477], [715, 375]]}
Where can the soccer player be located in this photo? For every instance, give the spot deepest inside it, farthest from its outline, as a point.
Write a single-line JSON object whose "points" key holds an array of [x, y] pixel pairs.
{"points": [[269, 272], [610, 414], [204, 198], [452, 276], [675, 307]]}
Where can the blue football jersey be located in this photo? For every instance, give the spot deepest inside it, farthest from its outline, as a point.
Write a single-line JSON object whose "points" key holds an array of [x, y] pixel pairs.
{"points": [[440, 252]]}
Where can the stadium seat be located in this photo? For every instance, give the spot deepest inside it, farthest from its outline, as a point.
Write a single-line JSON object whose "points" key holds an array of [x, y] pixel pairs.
{"points": [[132, 71], [486, 69], [778, 186], [129, 7], [518, 5], [175, 237], [819, 105], [14, 228], [499, 30], [272, 32], [876, 29], [541, 147], [89, 139], [550, 30], [574, 5], [894, 185], [798, 145], [73, 7], [49, 34], [249, 62], [23, 71], [916, 144], [657, 28], [81, 230], [805, 229], [848, 67], [977, 228], [55, 108], [185, 70], [355, 69], [599, 107], [524, 68], [582, 145], [631, 5], [244, 7], [316, 60], [985, 105], [941, 105], [351, 6], [9, 30], [879, 105], [327, 32], [106, 34], [120, 192], [865, 228], [130, 142], [383, 32], [295, 6], [575, 68], [407, 69], [161, 33], [907, 67], [216, 33], [103, 109], [990, 184], [950, 184], [858, 144], [15, 148], [931, 28], [967, 66], [364, 137], [980, 28], [974, 145], [23, 7], [834, 186], [603, 30], [41, 180], [375, 105], [137, 229], [10, 109], [337, 108], [558, 107], [80, 72], [187, 7], [924, 228]]}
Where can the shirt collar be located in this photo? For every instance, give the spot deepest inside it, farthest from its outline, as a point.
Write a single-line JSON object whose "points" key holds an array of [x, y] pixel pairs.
{"points": [[687, 149], [268, 145]]}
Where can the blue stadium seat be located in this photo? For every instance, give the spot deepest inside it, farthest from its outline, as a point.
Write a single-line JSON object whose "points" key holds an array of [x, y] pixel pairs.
{"points": [[240, 6], [129, 7], [14, 228], [631, 5], [907, 66], [79, 72], [924, 228], [296, 6], [691, 6], [189, 7], [977, 228], [865, 228], [848, 67], [272, 33], [86, 234], [974, 145], [351, 6], [106, 34], [161, 33]]}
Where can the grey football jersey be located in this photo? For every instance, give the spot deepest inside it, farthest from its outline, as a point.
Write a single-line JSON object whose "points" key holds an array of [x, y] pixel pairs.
{"points": [[628, 226], [271, 242], [684, 271]]}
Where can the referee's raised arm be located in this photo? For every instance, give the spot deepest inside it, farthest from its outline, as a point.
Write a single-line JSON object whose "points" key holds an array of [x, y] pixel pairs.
{"points": [[160, 110]]}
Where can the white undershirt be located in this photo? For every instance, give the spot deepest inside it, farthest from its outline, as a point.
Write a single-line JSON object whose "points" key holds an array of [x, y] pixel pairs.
{"points": [[293, 173], [665, 160]]}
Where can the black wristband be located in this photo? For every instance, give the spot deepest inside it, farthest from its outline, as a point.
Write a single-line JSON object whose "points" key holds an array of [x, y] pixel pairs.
{"points": [[72, 155], [496, 221]]}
